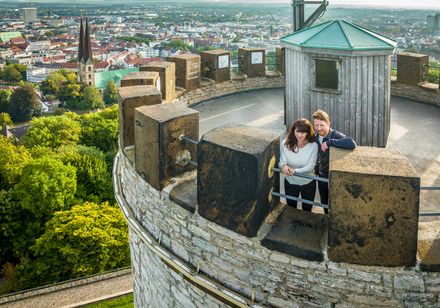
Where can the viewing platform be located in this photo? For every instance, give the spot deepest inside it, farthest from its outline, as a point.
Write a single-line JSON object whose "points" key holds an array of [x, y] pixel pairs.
{"points": [[181, 258]]}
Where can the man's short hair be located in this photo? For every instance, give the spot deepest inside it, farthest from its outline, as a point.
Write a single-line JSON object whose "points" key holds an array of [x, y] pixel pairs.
{"points": [[321, 115]]}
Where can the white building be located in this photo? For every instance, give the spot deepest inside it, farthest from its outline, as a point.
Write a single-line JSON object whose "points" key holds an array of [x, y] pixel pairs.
{"points": [[29, 15], [37, 75], [39, 46]]}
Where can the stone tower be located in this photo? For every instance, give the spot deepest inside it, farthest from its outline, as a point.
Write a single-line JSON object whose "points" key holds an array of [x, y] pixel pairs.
{"points": [[86, 68]]}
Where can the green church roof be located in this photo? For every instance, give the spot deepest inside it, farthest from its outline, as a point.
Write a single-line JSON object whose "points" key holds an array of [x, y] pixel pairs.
{"points": [[102, 78], [340, 35], [7, 36]]}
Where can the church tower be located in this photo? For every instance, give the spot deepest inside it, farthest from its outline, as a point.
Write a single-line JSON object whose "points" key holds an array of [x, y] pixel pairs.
{"points": [[86, 68]]}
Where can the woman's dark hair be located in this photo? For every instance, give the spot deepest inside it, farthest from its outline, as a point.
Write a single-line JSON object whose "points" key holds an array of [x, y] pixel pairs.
{"points": [[301, 125]]}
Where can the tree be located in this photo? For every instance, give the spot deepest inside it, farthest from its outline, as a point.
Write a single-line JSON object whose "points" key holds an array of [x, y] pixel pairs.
{"points": [[24, 104], [94, 181], [91, 99], [52, 132], [49, 33], [10, 224], [109, 113], [22, 68], [110, 93], [87, 239], [53, 82], [5, 119], [70, 94], [11, 73], [178, 44], [45, 186], [5, 96], [99, 132], [412, 49], [12, 160]]}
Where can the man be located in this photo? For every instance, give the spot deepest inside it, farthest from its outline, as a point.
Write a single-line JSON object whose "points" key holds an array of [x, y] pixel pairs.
{"points": [[327, 137]]}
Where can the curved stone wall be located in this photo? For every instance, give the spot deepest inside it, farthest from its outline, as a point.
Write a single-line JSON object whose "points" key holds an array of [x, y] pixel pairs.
{"points": [[210, 90], [427, 93], [241, 264]]}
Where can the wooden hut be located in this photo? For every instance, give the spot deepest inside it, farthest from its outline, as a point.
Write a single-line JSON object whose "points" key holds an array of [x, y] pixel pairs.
{"points": [[345, 70]]}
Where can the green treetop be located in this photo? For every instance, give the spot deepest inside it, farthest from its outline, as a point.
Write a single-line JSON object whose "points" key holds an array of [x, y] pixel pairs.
{"points": [[24, 104], [52, 132], [45, 186], [87, 239], [12, 160], [110, 93], [91, 99]]}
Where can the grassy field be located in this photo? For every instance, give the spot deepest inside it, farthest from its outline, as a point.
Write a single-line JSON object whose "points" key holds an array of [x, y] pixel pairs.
{"points": [[120, 302]]}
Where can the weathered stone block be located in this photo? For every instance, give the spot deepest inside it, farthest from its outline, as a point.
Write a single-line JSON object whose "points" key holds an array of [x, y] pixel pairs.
{"points": [[187, 71], [279, 53], [159, 152], [141, 79], [128, 99], [374, 205], [167, 73], [298, 233], [252, 62], [216, 65], [234, 178], [412, 68], [428, 248], [185, 194]]}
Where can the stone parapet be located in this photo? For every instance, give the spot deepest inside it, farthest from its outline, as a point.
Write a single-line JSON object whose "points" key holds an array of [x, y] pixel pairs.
{"points": [[412, 68], [416, 93], [428, 246], [160, 153], [243, 265], [235, 177], [236, 85], [130, 98], [167, 73], [374, 206]]}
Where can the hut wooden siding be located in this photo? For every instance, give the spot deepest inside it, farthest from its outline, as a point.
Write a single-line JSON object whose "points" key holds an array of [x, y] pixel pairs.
{"points": [[361, 109]]}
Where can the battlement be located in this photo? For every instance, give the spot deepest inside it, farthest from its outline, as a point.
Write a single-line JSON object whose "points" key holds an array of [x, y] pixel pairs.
{"points": [[203, 220]]}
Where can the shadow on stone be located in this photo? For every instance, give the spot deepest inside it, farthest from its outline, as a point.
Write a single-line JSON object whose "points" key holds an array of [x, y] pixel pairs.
{"points": [[185, 194], [428, 246], [297, 233]]}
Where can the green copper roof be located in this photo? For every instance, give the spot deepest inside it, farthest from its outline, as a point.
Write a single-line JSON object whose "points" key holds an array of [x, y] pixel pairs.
{"points": [[6, 36], [340, 35], [102, 78]]}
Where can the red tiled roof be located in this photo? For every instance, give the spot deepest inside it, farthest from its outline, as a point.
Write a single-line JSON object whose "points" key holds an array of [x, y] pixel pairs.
{"points": [[140, 61], [17, 41], [102, 64], [71, 65]]}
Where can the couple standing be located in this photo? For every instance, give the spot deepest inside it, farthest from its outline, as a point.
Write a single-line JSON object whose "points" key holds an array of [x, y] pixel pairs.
{"points": [[305, 152]]}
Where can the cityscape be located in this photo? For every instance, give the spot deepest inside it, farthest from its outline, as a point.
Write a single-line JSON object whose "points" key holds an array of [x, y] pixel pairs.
{"points": [[45, 38]]}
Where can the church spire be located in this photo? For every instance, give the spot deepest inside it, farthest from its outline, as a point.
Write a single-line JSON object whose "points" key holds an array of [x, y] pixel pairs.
{"points": [[87, 53], [81, 41], [86, 68]]}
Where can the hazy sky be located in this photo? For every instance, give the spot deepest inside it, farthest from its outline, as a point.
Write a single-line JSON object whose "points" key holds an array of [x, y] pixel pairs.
{"points": [[379, 3]]}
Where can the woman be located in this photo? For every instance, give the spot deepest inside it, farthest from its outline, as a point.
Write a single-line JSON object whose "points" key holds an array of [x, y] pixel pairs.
{"points": [[298, 155]]}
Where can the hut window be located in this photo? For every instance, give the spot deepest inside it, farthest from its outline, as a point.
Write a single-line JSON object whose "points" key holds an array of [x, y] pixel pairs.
{"points": [[326, 74]]}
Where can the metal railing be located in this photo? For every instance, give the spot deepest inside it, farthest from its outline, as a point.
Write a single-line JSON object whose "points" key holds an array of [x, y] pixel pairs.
{"points": [[235, 60], [185, 139], [432, 73]]}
